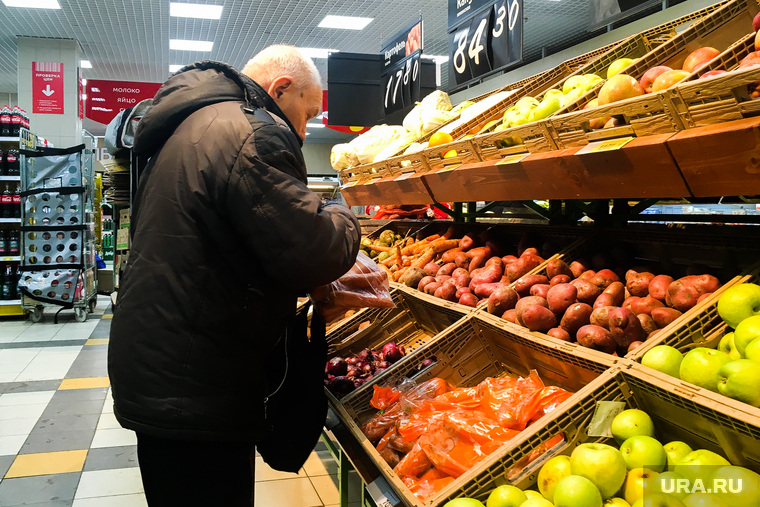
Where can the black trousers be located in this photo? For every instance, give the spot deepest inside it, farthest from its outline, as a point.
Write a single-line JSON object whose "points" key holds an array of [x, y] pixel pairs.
{"points": [[191, 473]]}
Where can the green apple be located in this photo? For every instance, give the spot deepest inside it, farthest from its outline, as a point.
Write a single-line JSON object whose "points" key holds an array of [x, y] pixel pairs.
{"points": [[658, 500], [589, 81], [703, 500], [570, 96], [602, 464], [742, 486], [700, 464], [553, 93], [641, 451], [531, 494], [676, 450], [546, 108], [739, 302], [638, 482], [618, 65], [663, 358], [728, 346], [537, 502], [506, 495], [577, 491], [572, 83], [630, 423], [752, 351], [740, 380], [463, 502], [700, 367], [745, 332], [672, 483], [616, 502], [553, 471], [525, 104]]}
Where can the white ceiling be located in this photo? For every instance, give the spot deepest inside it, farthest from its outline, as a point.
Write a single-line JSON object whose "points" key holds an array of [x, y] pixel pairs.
{"points": [[129, 39]]}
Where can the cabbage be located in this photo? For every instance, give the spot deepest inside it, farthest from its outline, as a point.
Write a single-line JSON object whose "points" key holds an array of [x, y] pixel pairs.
{"points": [[396, 146], [462, 106], [437, 99], [368, 145], [484, 105], [415, 148], [432, 119], [343, 156], [413, 121]]}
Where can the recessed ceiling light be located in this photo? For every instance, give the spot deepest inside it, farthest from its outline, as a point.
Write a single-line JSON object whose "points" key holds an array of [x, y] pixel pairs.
{"points": [[315, 125], [345, 22], [33, 4], [316, 52], [174, 68], [85, 64], [190, 45], [185, 10]]}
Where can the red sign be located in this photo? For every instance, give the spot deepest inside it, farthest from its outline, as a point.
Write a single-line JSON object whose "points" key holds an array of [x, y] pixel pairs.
{"points": [[339, 128], [105, 99], [80, 96], [47, 87]]}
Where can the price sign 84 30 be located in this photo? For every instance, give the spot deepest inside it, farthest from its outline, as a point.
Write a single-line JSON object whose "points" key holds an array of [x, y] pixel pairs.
{"points": [[401, 84]]}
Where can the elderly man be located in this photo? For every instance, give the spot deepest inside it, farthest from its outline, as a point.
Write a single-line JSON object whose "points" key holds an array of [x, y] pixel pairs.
{"points": [[225, 236]]}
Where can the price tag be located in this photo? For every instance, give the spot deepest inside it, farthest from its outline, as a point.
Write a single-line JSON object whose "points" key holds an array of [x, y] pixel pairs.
{"points": [[512, 159], [401, 83], [506, 33], [370, 182], [607, 145], [9, 259], [449, 167], [605, 412], [479, 48], [382, 494], [459, 39], [350, 184], [404, 176]]}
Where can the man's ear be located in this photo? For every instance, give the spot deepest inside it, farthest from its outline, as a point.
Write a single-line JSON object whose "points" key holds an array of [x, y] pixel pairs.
{"points": [[279, 86]]}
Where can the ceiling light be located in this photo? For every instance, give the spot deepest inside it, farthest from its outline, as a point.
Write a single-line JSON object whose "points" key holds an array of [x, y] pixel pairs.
{"points": [[345, 22], [315, 125], [33, 4], [85, 64], [190, 45], [174, 68], [184, 10], [316, 52]]}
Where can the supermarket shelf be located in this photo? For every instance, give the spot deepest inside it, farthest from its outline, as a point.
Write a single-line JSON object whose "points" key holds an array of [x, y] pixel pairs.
{"points": [[10, 302], [10, 258], [10, 178], [10, 220], [9, 139]]}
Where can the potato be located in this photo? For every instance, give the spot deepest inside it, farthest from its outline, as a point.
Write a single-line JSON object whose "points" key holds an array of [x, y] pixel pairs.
{"points": [[508, 259], [540, 289], [601, 316], [484, 290], [587, 275], [522, 266], [613, 295], [704, 296], [490, 274], [638, 284], [463, 290], [647, 323], [557, 267], [625, 328], [446, 269], [658, 286], [477, 262], [560, 297], [413, 276], [450, 255], [634, 345], [703, 283], [524, 283], [510, 316], [604, 278], [442, 278], [467, 242], [502, 299], [538, 318], [559, 279], [587, 292], [432, 287], [529, 251], [642, 305], [425, 280], [431, 268], [560, 334], [664, 316], [462, 280], [576, 316], [597, 338], [446, 291], [681, 296], [578, 267], [497, 262], [462, 261], [459, 271], [530, 300], [468, 299]]}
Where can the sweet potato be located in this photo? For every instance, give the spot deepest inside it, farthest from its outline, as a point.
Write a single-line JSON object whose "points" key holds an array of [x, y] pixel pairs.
{"points": [[508, 259], [597, 338], [467, 242], [638, 283], [601, 316], [658, 286], [482, 251], [425, 280], [502, 299], [613, 295], [642, 305], [524, 283], [540, 289], [459, 271], [450, 255], [538, 318], [557, 267], [446, 291], [578, 267], [488, 275], [556, 280], [522, 266], [664, 316], [560, 334], [604, 278], [463, 290], [484, 290], [468, 299], [446, 269], [462, 261], [530, 300], [432, 287], [560, 297], [477, 262], [510, 316], [576, 316], [647, 323], [587, 292], [625, 328], [413, 276]]}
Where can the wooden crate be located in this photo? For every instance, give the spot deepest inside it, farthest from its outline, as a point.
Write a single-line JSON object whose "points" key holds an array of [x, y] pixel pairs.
{"points": [[466, 354]]}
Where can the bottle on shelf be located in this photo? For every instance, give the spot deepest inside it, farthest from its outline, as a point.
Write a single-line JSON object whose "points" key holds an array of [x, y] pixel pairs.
{"points": [[6, 202], [12, 163], [15, 121], [7, 292], [5, 121], [16, 198], [3, 164], [4, 247], [13, 243]]}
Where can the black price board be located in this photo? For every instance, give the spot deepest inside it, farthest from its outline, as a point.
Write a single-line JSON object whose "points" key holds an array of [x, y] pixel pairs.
{"points": [[401, 83]]}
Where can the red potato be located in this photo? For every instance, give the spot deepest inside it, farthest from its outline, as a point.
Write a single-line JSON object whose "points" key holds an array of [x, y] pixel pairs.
{"points": [[476, 272], [664, 316], [604, 278], [576, 316], [502, 299], [462, 261], [658, 286], [642, 305], [638, 283], [488, 275], [530, 300], [625, 328], [524, 283], [540, 289], [432, 287], [425, 280], [446, 269], [431, 268], [530, 251], [467, 242], [587, 275], [413, 276], [556, 280], [459, 271], [647, 323], [496, 262], [468, 299], [557, 267], [613, 295], [560, 334], [508, 259], [596, 338], [587, 292], [463, 290], [578, 267], [442, 278], [601, 316], [477, 262], [482, 251], [510, 316], [462, 280], [704, 296], [446, 291], [684, 293], [522, 266], [450, 255], [538, 318], [703, 283], [560, 297], [485, 290]]}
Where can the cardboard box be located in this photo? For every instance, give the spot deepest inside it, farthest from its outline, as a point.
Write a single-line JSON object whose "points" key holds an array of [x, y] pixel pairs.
{"points": [[122, 239], [124, 216], [105, 280]]}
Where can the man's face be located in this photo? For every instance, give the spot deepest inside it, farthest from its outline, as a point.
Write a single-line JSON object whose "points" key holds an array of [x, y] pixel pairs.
{"points": [[300, 104]]}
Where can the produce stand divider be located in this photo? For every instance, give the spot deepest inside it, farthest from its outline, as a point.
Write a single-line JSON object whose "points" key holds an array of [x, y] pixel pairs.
{"points": [[468, 352], [406, 228]]}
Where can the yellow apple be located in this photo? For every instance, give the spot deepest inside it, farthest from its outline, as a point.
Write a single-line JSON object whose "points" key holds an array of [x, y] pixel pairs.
{"points": [[618, 65], [668, 79], [619, 87]]}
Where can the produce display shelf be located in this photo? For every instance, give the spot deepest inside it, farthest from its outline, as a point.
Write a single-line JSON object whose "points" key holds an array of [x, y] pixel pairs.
{"points": [[10, 178], [10, 258], [467, 353], [10, 220], [10, 302]]}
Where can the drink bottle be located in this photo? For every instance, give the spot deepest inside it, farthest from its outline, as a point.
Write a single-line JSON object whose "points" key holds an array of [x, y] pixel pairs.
{"points": [[3, 243], [16, 197], [15, 121], [13, 247], [12, 163], [5, 121], [3, 164], [6, 202]]}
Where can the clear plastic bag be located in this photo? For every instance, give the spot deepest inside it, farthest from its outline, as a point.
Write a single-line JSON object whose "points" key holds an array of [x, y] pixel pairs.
{"points": [[365, 285]]}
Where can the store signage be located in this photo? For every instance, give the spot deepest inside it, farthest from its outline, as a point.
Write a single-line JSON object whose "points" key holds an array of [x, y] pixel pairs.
{"points": [[401, 83], [338, 128], [485, 41], [105, 99], [403, 44], [47, 87], [80, 96], [460, 10], [606, 145]]}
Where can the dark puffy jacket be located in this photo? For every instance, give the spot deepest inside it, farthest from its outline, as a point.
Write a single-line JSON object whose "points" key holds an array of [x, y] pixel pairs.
{"points": [[226, 235]]}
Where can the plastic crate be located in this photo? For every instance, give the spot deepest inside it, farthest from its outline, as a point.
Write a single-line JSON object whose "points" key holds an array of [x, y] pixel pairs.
{"points": [[669, 29], [700, 421], [467, 353]]}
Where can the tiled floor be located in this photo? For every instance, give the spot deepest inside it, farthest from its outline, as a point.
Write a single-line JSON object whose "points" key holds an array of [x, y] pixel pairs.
{"points": [[60, 444]]}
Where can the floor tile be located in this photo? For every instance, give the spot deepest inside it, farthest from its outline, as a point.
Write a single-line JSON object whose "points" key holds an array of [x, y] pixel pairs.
{"points": [[297, 492], [38, 333], [34, 398], [5, 464], [10, 445], [30, 386], [23, 355], [108, 421], [327, 488], [9, 427], [47, 463], [84, 383], [121, 481], [97, 341], [113, 438], [108, 316], [112, 501], [320, 463], [75, 422], [264, 472], [42, 490], [108, 458], [49, 441], [75, 395], [23, 412]]}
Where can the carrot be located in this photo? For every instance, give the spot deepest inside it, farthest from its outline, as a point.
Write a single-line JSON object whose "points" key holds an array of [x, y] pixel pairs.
{"points": [[398, 274], [446, 245], [379, 248], [432, 238], [427, 256]]}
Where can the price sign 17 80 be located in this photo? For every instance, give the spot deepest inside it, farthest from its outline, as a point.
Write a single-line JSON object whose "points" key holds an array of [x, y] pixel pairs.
{"points": [[401, 84]]}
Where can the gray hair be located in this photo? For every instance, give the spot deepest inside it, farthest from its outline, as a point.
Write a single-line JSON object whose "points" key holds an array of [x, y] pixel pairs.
{"points": [[282, 60]]}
